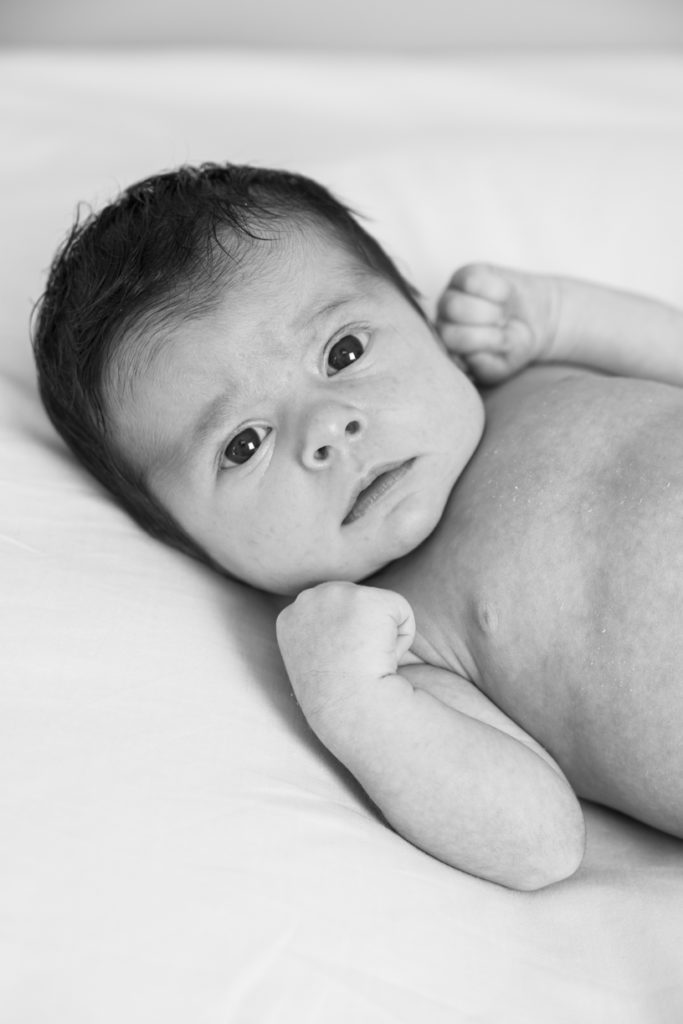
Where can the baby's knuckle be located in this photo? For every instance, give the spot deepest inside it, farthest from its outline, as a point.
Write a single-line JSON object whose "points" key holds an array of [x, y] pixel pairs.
{"points": [[455, 304], [462, 272], [336, 600], [284, 619], [311, 596], [335, 591], [470, 272], [472, 276]]}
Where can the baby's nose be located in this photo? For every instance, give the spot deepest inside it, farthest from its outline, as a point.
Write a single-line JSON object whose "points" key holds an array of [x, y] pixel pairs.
{"points": [[330, 429]]}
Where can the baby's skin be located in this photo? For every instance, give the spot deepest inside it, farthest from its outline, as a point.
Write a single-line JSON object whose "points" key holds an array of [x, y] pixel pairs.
{"points": [[554, 581], [548, 603], [486, 626]]}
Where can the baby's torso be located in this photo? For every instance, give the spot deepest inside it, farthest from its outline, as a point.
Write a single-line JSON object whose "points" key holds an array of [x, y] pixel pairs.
{"points": [[555, 578]]}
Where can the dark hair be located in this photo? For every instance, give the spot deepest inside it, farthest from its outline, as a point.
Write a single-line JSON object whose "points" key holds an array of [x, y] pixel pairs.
{"points": [[154, 255]]}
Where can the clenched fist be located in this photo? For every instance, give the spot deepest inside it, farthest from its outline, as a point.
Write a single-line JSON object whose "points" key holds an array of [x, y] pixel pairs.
{"points": [[499, 320], [338, 641]]}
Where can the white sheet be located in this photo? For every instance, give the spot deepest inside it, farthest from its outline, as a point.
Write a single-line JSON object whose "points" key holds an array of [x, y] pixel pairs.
{"points": [[174, 844]]}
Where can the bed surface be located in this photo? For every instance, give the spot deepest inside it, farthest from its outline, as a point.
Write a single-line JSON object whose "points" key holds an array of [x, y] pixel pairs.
{"points": [[175, 844]]}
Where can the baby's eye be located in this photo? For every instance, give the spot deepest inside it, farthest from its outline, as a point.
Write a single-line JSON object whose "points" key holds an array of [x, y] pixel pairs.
{"points": [[243, 445], [344, 352]]}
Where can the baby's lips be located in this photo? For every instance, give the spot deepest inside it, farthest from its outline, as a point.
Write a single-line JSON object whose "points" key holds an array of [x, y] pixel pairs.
{"points": [[373, 486]]}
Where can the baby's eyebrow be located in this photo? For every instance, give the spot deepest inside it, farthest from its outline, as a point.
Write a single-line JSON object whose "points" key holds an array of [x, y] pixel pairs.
{"points": [[216, 410], [173, 454], [212, 416], [325, 311]]}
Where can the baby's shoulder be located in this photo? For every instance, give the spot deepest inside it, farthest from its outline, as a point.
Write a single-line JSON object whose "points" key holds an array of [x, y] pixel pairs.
{"points": [[536, 382]]}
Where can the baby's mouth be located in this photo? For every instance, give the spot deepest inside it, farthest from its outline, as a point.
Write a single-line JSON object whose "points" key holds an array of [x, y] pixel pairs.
{"points": [[381, 481]]}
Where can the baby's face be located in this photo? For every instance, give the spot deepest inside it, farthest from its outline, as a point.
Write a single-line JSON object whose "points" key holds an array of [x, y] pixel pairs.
{"points": [[310, 428]]}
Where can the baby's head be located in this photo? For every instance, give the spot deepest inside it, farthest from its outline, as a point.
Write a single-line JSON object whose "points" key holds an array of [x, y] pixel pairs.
{"points": [[246, 370]]}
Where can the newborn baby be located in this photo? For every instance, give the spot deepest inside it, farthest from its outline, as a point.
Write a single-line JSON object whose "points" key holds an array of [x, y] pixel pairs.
{"points": [[547, 603], [490, 585]]}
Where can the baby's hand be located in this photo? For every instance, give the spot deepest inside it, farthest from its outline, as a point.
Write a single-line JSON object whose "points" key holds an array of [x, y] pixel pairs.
{"points": [[498, 320], [337, 641]]}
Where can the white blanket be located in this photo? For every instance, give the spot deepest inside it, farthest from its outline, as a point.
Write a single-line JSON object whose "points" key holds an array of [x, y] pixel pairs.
{"points": [[175, 845]]}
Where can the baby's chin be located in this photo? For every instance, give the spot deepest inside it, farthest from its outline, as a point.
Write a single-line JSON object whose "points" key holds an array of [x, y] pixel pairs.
{"points": [[365, 568], [358, 571], [357, 560], [414, 522]]}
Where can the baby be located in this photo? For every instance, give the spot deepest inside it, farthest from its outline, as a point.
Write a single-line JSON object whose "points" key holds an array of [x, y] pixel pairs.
{"points": [[242, 365]]}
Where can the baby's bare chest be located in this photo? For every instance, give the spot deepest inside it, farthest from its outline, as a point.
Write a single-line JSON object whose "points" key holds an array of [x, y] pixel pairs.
{"points": [[555, 579]]}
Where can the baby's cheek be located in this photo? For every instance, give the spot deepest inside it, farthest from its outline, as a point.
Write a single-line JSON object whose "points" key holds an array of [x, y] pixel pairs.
{"points": [[414, 520]]}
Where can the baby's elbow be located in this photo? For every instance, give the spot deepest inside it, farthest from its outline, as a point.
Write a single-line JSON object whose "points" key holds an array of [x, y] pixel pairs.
{"points": [[551, 871], [556, 857]]}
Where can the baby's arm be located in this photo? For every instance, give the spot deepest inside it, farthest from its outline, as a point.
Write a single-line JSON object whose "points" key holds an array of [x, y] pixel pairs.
{"points": [[448, 770], [499, 320]]}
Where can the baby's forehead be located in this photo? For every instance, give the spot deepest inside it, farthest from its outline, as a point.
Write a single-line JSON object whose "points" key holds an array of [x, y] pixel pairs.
{"points": [[303, 270], [299, 274], [296, 248]]}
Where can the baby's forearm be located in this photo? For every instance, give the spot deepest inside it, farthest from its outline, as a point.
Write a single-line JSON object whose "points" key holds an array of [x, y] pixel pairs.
{"points": [[619, 332], [446, 767], [467, 793]]}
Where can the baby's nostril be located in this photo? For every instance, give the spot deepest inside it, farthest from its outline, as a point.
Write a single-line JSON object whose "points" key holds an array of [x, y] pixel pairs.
{"points": [[352, 427], [321, 453]]}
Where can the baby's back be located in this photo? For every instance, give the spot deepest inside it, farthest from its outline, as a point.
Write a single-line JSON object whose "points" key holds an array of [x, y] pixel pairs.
{"points": [[555, 580]]}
